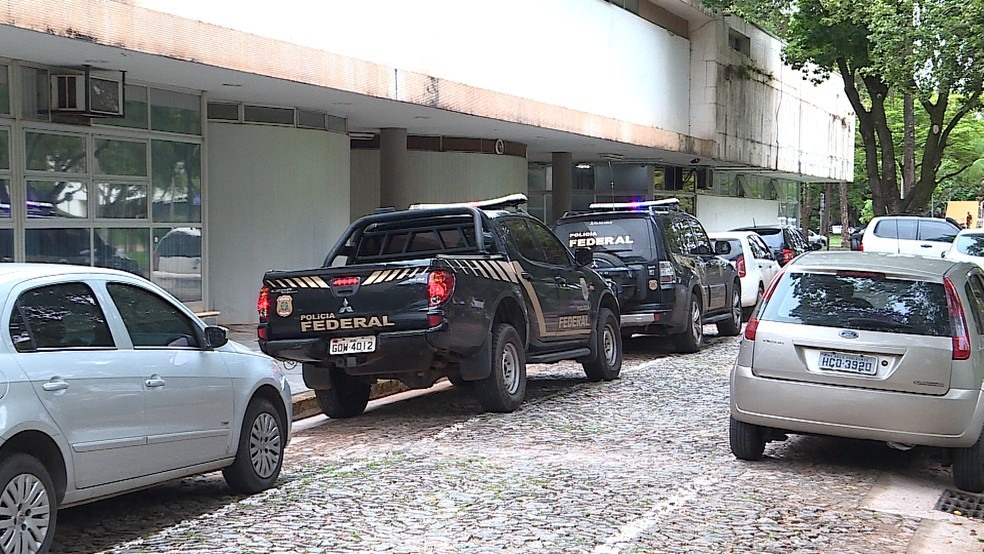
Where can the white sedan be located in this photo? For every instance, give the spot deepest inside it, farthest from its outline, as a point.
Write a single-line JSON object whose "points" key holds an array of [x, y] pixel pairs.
{"points": [[108, 384], [755, 263], [968, 246]]}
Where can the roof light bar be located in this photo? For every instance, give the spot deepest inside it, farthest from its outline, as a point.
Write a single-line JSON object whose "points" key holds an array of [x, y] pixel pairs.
{"points": [[501, 202], [666, 202]]}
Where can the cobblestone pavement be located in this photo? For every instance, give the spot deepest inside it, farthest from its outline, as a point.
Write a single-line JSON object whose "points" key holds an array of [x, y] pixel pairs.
{"points": [[640, 464]]}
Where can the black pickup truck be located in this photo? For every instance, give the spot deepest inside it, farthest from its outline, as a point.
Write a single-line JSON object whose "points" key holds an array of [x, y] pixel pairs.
{"points": [[471, 292]]}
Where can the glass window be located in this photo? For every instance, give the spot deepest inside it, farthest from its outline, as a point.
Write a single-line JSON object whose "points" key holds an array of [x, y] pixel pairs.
{"points": [[4, 198], [176, 176], [623, 236], [121, 201], [736, 250], [4, 90], [58, 246], [266, 114], [177, 262], [307, 118], [896, 228], [57, 199], [863, 302], [152, 321], [134, 110], [59, 316], [120, 157], [515, 231], [223, 111], [556, 253], [34, 93], [6, 245], [937, 231], [123, 249], [975, 295], [54, 153], [176, 112], [970, 244], [4, 149]]}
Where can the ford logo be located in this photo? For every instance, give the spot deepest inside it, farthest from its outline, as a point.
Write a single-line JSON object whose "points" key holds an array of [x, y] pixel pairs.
{"points": [[849, 334]]}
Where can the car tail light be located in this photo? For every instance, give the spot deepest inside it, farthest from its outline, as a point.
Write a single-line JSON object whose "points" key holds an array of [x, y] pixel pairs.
{"points": [[263, 304], [753, 322], [440, 285], [787, 256], [740, 265], [958, 323], [861, 246], [667, 275]]}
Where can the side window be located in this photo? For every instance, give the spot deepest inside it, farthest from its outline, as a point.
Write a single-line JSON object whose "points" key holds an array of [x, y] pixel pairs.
{"points": [[517, 233], [975, 293], [553, 249], [59, 316], [936, 231], [699, 237], [151, 320], [895, 228], [681, 235], [759, 249]]}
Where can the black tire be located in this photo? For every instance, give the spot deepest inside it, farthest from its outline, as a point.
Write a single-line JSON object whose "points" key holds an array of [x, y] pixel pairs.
{"points": [[261, 449], [746, 313], [731, 327], [747, 440], [346, 398], [692, 338], [968, 467], [29, 505], [608, 345], [505, 387]]}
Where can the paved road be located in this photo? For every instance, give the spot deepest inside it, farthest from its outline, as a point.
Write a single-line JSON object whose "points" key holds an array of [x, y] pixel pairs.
{"points": [[636, 465]]}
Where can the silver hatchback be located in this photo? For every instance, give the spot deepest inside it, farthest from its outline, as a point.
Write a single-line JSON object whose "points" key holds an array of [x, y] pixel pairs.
{"points": [[864, 345]]}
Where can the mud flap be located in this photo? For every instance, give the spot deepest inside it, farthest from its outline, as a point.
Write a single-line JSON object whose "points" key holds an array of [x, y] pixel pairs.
{"points": [[316, 377], [479, 366]]}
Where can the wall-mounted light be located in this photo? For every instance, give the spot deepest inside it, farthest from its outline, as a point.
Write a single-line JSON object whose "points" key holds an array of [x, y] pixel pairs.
{"points": [[583, 166]]}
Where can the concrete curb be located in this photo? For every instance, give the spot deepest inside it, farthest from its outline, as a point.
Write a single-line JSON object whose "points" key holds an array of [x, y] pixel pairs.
{"points": [[306, 405]]}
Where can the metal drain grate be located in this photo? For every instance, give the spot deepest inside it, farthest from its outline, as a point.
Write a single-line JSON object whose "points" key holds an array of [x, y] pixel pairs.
{"points": [[961, 504]]}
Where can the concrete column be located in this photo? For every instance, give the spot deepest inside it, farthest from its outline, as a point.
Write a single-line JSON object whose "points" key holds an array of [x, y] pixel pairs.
{"points": [[563, 182], [393, 173]]}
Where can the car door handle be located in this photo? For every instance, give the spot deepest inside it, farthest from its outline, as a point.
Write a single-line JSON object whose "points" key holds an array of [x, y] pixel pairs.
{"points": [[154, 382], [54, 385], [559, 279], [925, 246], [527, 275]]}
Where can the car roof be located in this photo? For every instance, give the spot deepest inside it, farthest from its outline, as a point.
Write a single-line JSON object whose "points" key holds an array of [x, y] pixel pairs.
{"points": [[971, 232], [23, 271], [731, 234], [926, 268]]}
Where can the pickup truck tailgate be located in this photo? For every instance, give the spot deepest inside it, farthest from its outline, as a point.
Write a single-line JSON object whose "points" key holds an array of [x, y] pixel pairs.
{"points": [[347, 301]]}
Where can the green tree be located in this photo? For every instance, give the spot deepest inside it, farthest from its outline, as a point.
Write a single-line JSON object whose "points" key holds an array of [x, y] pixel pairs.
{"points": [[932, 49]]}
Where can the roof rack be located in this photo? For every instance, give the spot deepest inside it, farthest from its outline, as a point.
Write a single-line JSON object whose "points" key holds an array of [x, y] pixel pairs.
{"points": [[509, 201], [665, 204]]}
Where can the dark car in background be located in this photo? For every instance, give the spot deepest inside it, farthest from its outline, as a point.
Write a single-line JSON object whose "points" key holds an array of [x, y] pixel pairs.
{"points": [[786, 241]]}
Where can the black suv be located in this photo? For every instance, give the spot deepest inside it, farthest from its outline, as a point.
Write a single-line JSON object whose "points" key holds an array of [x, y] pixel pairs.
{"points": [[660, 262], [786, 241]]}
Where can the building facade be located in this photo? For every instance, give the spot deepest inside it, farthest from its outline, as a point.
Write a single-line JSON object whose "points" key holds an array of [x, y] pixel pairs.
{"points": [[201, 143]]}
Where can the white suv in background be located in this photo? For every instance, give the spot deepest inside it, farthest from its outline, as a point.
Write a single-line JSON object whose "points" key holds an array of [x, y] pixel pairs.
{"points": [[909, 234]]}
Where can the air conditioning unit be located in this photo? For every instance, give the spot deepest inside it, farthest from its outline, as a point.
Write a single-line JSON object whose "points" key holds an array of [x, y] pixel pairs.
{"points": [[87, 94]]}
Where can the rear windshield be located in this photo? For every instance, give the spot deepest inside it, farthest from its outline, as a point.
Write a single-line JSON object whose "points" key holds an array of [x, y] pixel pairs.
{"points": [[972, 245], [862, 302], [629, 237]]}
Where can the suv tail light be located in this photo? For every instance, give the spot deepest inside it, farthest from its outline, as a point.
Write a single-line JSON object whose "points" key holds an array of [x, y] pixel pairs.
{"points": [[753, 322], [440, 285], [263, 304], [958, 323], [787, 256], [667, 274], [740, 265]]}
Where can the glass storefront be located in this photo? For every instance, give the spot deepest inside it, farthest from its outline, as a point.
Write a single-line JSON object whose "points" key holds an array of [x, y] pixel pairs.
{"points": [[123, 193]]}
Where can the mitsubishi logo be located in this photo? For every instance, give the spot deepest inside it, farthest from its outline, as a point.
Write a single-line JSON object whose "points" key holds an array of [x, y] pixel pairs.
{"points": [[345, 309]]}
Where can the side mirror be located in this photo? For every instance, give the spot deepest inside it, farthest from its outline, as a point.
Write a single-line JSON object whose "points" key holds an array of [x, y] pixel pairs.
{"points": [[583, 256], [215, 336], [703, 250], [722, 247]]}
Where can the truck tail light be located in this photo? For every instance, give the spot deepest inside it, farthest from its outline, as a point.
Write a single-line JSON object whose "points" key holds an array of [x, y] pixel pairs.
{"points": [[751, 328], [787, 256], [440, 285], [667, 275], [958, 323], [263, 304], [740, 265]]}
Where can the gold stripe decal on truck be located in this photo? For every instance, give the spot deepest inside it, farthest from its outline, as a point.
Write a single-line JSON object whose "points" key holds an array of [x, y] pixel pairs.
{"points": [[385, 275]]}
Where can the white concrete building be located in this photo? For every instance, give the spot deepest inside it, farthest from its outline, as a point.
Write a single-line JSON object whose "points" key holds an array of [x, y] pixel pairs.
{"points": [[249, 135]]}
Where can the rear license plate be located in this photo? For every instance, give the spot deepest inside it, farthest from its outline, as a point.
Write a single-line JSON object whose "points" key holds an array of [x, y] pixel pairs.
{"points": [[851, 363], [352, 345]]}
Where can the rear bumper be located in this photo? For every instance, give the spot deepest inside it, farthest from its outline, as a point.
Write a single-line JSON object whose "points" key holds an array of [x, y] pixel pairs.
{"points": [[400, 352], [951, 420], [670, 314]]}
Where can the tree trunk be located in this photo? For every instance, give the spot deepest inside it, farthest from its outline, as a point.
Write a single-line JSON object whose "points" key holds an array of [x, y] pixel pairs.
{"points": [[845, 213], [908, 146]]}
